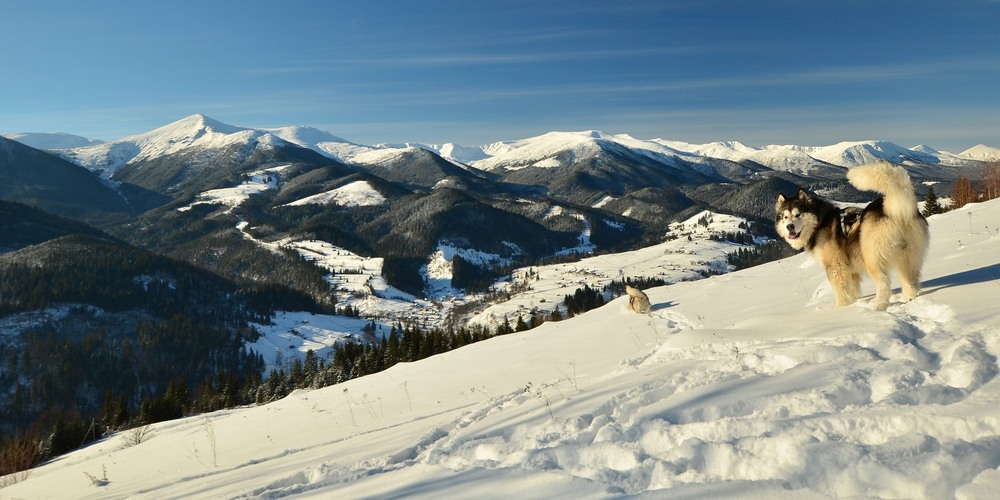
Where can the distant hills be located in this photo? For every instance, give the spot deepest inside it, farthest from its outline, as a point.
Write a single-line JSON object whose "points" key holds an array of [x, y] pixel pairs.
{"points": [[54, 140], [47, 181]]}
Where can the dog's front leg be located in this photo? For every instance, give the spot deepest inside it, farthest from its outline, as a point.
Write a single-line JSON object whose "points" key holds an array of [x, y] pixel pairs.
{"points": [[839, 281], [841, 277]]}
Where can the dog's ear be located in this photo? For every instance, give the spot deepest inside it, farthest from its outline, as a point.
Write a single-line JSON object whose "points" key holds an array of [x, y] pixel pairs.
{"points": [[803, 195], [780, 202]]}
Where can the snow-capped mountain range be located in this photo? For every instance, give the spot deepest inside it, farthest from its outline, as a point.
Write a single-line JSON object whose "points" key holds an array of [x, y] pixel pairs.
{"points": [[544, 151]]}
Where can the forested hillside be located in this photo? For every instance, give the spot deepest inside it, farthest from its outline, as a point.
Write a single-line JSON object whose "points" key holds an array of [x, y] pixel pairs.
{"points": [[43, 180], [100, 335], [22, 225]]}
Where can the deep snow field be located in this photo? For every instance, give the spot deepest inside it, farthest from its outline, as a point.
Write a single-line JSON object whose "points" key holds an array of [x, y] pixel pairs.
{"points": [[749, 385]]}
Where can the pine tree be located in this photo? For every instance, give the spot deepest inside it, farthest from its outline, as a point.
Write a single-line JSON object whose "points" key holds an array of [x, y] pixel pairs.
{"points": [[931, 204], [556, 315], [392, 352], [310, 368], [520, 326]]}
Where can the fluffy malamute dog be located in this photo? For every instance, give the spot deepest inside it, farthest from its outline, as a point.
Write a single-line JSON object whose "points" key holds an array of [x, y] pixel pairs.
{"points": [[889, 234]]}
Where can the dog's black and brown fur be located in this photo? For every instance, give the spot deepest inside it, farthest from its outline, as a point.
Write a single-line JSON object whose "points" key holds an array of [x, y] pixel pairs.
{"points": [[889, 234]]}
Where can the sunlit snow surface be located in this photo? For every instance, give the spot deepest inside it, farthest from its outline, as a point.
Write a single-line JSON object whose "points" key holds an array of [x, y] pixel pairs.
{"points": [[747, 385], [689, 255], [289, 335], [355, 194], [257, 182]]}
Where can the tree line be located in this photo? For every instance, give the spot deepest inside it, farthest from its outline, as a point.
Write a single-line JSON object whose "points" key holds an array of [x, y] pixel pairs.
{"points": [[408, 342], [124, 338]]}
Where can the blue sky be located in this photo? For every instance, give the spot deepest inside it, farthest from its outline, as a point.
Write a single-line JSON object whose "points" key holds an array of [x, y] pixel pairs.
{"points": [[808, 72]]}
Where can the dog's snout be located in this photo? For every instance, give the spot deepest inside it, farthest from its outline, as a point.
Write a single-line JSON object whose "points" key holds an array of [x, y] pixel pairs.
{"points": [[790, 227]]}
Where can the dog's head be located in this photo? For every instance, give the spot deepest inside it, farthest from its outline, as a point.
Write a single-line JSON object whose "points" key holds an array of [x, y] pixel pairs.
{"points": [[796, 219]]}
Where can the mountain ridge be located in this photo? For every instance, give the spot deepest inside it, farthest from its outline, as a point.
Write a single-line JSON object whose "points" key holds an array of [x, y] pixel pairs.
{"points": [[490, 156], [41, 179], [52, 140]]}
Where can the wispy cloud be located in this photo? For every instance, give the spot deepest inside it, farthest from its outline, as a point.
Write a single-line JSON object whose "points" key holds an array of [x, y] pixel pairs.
{"points": [[427, 59]]}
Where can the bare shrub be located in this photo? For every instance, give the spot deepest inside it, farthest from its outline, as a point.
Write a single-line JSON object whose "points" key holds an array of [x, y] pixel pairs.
{"points": [[136, 435], [17, 456], [963, 193], [990, 180]]}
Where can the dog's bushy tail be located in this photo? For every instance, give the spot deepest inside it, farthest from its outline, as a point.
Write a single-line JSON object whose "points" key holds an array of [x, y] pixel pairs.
{"points": [[890, 180]]}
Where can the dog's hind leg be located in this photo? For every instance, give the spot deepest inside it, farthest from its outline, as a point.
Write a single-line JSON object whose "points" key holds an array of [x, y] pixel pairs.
{"points": [[909, 275], [911, 260], [853, 287], [883, 289]]}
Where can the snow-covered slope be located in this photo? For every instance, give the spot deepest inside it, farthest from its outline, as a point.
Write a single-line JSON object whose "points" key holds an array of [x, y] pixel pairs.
{"points": [[55, 140], [461, 154], [320, 141], [355, 194], [852, 154], [384, 155], [982, 152], [822, 160], [341, 149], [555, 149], [793, 159], [745, 385], [256, 182]]}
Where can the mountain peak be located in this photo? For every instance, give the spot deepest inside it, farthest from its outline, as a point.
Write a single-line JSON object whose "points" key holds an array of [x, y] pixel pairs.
{"points": [[196, 130], [200, 122], [982, 152], [307, 137], [923, 148]]}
